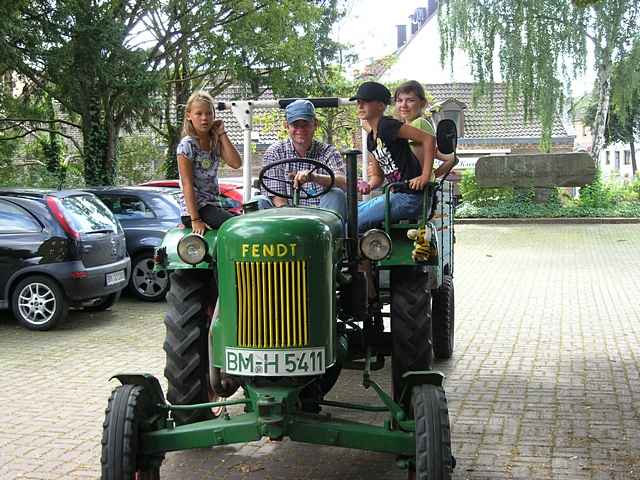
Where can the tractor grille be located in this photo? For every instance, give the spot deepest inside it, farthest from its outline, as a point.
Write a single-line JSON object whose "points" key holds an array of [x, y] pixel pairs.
{"points": [[272, 304]]}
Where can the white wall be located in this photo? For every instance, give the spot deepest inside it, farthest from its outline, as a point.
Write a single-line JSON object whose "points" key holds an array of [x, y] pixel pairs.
{"points": [[617, 169]]}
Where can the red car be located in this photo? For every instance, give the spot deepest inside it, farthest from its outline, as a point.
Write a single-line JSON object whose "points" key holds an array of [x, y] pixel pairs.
{"points": [[230, 193]]}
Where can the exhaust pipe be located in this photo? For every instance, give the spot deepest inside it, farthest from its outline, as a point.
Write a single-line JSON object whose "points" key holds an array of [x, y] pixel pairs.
{"points": [[221, 384], [351, 157]]}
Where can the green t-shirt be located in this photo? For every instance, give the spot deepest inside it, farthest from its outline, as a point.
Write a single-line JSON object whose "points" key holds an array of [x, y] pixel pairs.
{"points": [[423, 124], [426, 126]]}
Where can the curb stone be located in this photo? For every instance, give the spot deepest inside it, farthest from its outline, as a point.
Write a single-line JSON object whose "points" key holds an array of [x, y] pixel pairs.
{"points": [[559, 220]]}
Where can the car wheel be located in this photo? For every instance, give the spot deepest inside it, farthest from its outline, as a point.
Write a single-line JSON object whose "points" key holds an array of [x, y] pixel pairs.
{"points": [[39, 303], [104, 303], [146, 284]]}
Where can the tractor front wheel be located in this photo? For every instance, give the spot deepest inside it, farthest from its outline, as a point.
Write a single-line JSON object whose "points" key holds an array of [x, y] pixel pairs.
{"points": [[190, 301], [433, 434], [410, 324], [121, 459]]}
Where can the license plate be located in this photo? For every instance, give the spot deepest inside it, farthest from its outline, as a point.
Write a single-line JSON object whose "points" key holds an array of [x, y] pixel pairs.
{"points": [[271, 363], [116, 277]]}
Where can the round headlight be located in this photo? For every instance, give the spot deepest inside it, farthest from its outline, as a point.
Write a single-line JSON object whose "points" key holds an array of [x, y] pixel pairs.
{"points": [[375, 244], [192, 249]]}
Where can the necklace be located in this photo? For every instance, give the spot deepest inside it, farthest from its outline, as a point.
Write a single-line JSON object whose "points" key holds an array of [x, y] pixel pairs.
{"points": [[206, 159]]}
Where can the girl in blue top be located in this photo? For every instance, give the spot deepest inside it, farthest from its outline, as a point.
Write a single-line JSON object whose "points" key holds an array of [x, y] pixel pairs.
{"points": [[204, 143]]}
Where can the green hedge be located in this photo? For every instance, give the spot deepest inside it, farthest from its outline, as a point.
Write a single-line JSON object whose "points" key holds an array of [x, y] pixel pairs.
{"points": [[599, 199]]}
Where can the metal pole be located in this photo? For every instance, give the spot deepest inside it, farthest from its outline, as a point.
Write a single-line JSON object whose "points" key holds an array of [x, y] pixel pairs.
{"points": [[246, 167], [365, 160], [282, 103], [246, 154], [365, 155]]}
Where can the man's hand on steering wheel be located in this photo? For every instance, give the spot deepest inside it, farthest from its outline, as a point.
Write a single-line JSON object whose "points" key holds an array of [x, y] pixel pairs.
{"points": [[301, 177], [307, 170]]}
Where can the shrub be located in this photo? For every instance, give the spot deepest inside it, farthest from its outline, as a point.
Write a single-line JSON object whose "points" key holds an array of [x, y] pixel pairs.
{"points": [[472, 193], [598, 194], [139, 160], [634, 188], [599, 199]]}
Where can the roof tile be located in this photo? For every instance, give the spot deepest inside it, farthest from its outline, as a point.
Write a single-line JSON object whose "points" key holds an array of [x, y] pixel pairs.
{"points": [[488, 117]]}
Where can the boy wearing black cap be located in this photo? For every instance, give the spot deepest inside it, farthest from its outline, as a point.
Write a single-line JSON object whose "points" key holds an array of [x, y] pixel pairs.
{"points": [[391, 159]]}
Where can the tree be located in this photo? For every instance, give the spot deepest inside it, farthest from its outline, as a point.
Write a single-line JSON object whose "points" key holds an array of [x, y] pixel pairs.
{"points": [[625, 101], [281, 45], [623, 120], [78, 53], [96, 59], [538, 42]]}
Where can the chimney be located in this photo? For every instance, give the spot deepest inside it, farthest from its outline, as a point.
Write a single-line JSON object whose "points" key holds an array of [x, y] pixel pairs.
{"points": [[432, 7], [414, 26], [402, 35]]}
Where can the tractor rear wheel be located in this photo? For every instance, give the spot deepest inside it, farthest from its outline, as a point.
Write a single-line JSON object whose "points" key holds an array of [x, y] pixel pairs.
{"points": [[190, 301], [121, 459], [443, 319], [433, 434], [410, 324]]}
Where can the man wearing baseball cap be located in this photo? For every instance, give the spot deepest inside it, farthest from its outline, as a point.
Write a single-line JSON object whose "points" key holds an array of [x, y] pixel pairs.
{"points": [[301, 124], [391, 159]]}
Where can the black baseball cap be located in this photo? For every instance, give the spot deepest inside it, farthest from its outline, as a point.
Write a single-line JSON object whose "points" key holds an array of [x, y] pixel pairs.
{"points": [[373, 91]]}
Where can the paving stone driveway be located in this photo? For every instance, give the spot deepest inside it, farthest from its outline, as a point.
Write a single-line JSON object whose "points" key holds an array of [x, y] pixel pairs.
{"points": [[544, 383]]}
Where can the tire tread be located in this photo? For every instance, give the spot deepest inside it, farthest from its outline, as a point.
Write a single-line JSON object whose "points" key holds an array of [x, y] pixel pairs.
{"points": [[185, 345], [444, 319], [433, 433]]}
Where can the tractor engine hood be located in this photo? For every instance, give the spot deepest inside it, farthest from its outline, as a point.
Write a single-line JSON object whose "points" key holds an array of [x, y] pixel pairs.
{"points": [[276, 280], [280, 233]]}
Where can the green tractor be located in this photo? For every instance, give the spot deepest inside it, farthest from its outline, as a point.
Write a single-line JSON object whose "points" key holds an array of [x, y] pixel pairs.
{"points": [[294, 306]]}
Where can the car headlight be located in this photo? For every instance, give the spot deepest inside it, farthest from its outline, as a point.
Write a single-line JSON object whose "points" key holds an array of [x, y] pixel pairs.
{"points": [[192, 249], [375, 244]]}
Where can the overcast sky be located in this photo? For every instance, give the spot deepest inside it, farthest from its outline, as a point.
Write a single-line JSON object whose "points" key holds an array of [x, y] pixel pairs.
{"points": [[370, 25]]}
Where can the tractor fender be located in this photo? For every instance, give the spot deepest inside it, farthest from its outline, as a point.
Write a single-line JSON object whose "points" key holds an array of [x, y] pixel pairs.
{"points": [[428, 377], [145, 380]]}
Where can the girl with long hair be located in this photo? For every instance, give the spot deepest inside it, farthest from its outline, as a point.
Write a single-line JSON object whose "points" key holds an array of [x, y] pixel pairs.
{"points": [[204, 143]]}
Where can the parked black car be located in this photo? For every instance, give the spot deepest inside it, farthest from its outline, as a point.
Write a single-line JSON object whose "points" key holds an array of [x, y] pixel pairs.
{"points": [[58, 249], [146, 214]]}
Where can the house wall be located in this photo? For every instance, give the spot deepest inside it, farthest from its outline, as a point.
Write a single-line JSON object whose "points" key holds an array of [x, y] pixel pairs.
{"points": [[615, 162], [584, 140]]}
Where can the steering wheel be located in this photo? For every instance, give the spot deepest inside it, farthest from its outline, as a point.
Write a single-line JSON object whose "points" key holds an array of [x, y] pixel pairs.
{"points": [[277, 172]]}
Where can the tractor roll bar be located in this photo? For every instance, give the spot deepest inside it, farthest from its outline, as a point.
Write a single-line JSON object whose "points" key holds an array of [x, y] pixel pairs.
{"points": [[243, 112], [321, 102]]}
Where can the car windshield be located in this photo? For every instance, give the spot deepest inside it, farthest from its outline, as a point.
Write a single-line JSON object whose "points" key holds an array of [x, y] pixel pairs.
{"points": [[165, 205], [85, 213], [176, 196]]}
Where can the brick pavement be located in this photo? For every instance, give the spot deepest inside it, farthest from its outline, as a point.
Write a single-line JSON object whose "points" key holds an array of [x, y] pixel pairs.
{"points": [[544, 382]]}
